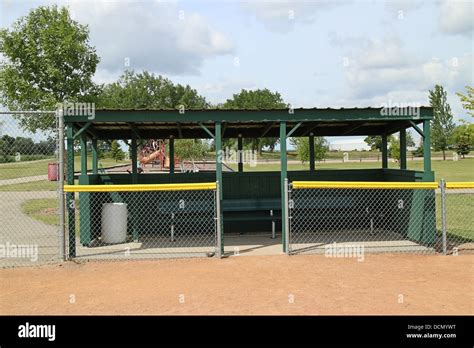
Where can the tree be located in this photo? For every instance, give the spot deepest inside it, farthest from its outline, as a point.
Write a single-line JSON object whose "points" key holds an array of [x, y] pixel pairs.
{"points": [[190, 150], [302, 147], [115, 151], [375, 141], [467, 100], [463, 137], [442, 125], [394, 148], [48, 60], [257, 99], [147, 90]]}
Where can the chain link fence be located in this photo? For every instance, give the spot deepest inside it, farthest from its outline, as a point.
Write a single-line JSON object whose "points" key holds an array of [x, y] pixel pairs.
{"points": [[142, 221], [458, 229], [29, 229], [345, 217]]}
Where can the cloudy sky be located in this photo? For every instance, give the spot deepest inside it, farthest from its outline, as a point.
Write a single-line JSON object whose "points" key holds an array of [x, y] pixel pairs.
{"points": [[315, 53]]}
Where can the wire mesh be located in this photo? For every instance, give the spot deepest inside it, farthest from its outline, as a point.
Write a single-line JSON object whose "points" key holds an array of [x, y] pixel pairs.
{"points": [[29, 231], [143, 224], [326, 220], [459, 220]]}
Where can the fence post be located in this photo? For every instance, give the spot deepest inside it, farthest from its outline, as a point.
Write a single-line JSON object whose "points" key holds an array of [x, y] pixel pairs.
{"points": [[287, 219], [62, 218], [218, 221], [442, 185]]}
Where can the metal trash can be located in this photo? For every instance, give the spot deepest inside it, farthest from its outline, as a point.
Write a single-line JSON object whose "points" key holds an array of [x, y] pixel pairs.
{"points": [[114, 223], [53, 170]]}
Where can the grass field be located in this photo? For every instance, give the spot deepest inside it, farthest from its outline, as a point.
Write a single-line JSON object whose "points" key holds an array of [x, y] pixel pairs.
{"points": [[33, 168]]}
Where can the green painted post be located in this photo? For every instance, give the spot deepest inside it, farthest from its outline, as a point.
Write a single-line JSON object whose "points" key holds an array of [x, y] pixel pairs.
{"points": [[283, 170], [384, 152], [134, 161], [311, 152], [426, 147], [403, 149], [83, 154], [70, 199], [218, 145], [95, 158], [239, 151], [171, 155]]}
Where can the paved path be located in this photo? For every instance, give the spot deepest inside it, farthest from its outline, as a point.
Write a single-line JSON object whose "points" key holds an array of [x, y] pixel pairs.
{"points": [[23, 179], [16, 228]]}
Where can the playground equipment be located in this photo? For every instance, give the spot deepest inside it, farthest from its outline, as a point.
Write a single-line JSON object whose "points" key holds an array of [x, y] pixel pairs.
{"points": [[155, 151]]}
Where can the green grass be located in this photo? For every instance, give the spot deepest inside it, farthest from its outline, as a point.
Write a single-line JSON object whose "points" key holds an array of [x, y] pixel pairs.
{"points": [[45, 210], [458, 215], [22, 169], [462, 170]]}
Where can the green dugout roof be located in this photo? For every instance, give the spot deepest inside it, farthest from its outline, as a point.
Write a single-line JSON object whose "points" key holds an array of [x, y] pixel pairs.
{"points": [[147, 124]]}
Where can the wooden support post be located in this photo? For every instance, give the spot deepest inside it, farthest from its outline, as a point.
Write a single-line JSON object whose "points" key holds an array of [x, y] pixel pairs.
{"points": [[426, 147], [384, 152], [70, 199], [239, 151], [403, 149], [95, 157], [134, 161], [283, 171], [311, 152], [218, 146], [171, 154]]}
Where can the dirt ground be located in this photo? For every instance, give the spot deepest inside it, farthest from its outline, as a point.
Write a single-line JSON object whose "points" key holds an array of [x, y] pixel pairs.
{"points": [[312, 284]]}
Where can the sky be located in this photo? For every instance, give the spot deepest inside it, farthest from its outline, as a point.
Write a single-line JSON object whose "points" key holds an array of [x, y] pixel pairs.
{"points": [[314, 53]]}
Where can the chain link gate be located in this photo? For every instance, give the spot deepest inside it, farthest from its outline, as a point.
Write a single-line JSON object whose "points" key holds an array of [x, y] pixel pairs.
{"points": [[143, 221], [329, 217], [30, 232]]}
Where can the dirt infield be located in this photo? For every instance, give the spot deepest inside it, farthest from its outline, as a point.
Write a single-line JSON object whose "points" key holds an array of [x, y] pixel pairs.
{"points": [[313, 284]]}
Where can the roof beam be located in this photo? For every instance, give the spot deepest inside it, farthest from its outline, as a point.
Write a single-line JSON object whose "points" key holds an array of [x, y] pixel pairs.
{"points": [[417, 129], [294, 129], [207, 130], [134, 129], [352, 128], [267, 128], [309, 129], [82, 130], [180, 131]]}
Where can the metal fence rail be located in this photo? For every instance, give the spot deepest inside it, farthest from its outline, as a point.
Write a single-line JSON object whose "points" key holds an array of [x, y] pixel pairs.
{"points": [[375, 216], [142, 221], [29, 232]]}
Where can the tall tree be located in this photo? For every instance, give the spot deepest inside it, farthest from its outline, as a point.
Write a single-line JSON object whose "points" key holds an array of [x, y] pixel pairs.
{"points": [[321, 146], [375, 141], [442, 125], [48, 60], [147, 90], [463, 138], [115, 151], [257, 99], [467, 100]]}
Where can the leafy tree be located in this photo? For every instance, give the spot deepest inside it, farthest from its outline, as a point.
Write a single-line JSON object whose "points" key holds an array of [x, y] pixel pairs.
{"points": [[48, 60], [375, 141], [259, 99], [302, 147], [442, 125], [463, 137], [116, 152], [190, 150], [467, 100], [147, 90], [394, 148]]}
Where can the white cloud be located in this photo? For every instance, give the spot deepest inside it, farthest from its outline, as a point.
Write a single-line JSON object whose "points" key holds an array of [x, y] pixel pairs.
{"points": [[282, 16], [159, 37], [457, 17]]}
